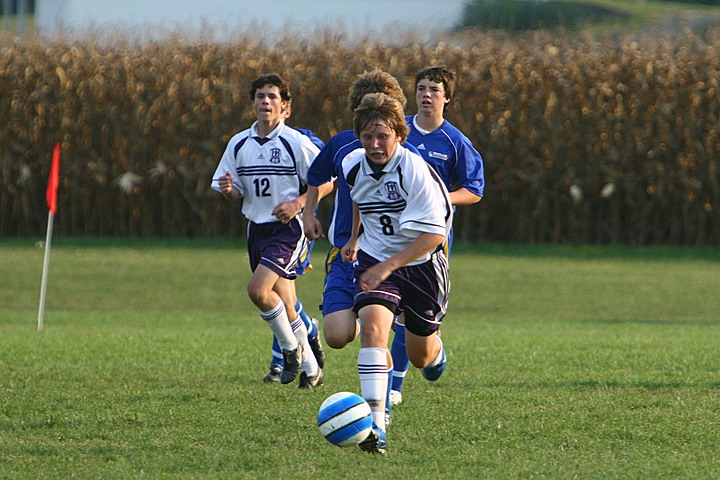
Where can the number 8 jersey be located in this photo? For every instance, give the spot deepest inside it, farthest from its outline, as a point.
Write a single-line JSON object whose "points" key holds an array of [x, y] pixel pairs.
{"points": [[398, 203], [267, 171]]}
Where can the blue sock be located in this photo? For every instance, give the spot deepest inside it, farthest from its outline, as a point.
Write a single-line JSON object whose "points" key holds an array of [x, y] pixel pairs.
{"points": [[401, 363], [309, 324], [277, 358], [387, 394]]}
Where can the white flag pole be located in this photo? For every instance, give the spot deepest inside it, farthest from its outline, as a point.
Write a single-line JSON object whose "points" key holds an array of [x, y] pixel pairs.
{"points": [[46, 264]]}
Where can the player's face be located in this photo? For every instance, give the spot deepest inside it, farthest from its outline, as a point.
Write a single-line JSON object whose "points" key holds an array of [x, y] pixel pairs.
{"points": [[379, 142], [269, 106], [430, 96]]}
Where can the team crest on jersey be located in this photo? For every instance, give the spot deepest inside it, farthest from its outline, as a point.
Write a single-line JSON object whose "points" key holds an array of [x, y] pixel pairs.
{"points": [[391, 189], [274, 155]]}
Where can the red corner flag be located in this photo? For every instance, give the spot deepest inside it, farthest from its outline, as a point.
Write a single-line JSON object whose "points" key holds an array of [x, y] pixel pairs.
{"points": [[54, 181]]}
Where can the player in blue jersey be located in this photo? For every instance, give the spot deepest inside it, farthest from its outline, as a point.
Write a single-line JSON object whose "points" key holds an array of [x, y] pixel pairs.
{"points": [[399, 263], [455, 159], [265, 166], [339, 321], [304, 264]]}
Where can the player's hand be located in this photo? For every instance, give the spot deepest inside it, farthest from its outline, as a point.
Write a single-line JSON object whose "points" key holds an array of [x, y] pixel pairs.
{"points": [[285, 211], [374, 276], [348, 252], [226, 184], [313, 227]]}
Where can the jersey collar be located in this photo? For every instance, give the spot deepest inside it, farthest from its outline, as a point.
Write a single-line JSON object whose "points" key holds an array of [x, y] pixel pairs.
{"points": [[388, 167], [271, 136]]}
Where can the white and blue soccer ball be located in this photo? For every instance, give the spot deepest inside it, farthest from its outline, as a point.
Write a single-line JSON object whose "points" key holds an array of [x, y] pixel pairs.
{"points": [[344, 419]]}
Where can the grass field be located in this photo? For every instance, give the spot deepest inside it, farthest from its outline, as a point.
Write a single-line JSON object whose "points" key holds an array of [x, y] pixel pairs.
{"points": [[564, 362]]}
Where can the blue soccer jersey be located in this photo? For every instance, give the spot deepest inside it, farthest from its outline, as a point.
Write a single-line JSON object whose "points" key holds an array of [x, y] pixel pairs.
{"points": [[327, 167], [452, 155]]}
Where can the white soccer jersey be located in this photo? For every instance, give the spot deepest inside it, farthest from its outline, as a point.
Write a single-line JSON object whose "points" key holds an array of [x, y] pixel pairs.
{"points": [[267, 171], [399, 203]]}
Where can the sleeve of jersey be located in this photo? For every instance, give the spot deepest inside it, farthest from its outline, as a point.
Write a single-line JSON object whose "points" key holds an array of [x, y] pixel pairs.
{"points": [[322, 169], [426, 203], [470, 171], [227, 164], [308, 153]]}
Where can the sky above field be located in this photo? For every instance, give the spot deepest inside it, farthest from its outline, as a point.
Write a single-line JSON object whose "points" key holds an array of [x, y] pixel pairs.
{"points": [[225, 16]]}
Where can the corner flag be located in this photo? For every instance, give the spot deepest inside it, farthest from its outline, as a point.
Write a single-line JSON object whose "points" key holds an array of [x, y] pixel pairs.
{"points": [[54, 180], [51, 196]]}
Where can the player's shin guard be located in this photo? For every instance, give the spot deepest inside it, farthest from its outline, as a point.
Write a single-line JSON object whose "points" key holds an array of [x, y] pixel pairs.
{"points": [[373, 372], [401, 363]]}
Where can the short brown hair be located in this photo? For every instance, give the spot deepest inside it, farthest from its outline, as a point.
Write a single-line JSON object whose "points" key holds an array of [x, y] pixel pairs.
{"points": [[439, 75], [376, 107], [270, 79], [375, 81]]}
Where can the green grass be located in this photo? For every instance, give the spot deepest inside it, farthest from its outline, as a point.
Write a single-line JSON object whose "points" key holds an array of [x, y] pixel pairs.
{"points": [[564, 362]]}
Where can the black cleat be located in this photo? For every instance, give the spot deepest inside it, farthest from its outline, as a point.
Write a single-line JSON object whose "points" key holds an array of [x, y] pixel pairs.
{"points": [[293, 362], [311, 382], [317, 347], [273, 375]]}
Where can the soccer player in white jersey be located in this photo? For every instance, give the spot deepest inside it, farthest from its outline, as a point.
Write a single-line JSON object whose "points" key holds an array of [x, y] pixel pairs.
{"points": [[304, 265], [399, 263], [266, 166], [455, 159]]}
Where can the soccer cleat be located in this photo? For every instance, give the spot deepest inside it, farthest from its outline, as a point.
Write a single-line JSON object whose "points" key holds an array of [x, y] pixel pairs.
{"points": [[273, 375], [293, 362], [376, 442], [395, 397], [311, 382], [316, 346], [434, 372]]}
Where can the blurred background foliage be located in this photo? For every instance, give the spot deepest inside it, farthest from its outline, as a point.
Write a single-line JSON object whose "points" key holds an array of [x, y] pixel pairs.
{"points": [[587, 137]]}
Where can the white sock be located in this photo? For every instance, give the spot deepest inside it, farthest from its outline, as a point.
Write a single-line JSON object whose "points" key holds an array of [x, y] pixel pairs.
{"points": [[309, 363], [373, 371], [278, 322]]}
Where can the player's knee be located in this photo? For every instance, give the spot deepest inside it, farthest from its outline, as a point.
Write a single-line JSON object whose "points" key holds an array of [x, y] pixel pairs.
{"points": [[419, 361], [339, 329], [257, 294]]}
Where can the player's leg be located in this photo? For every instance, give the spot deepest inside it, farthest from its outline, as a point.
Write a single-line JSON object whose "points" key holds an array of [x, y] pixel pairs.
{"points": [[311, 375], [302, 266], [376, 309], [274, 311], [340, 324], [374, 365], [313, 330], [427, 353], [276, 362], [425, 303], [401, 363]]}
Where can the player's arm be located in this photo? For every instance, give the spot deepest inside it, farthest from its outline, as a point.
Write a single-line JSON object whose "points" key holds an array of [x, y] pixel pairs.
{"points": [[426, 242], [348, 252], [463, 196], [311, 224]]}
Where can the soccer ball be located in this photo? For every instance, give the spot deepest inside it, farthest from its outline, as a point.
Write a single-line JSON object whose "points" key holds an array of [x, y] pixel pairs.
{"points": [[344, 419]]}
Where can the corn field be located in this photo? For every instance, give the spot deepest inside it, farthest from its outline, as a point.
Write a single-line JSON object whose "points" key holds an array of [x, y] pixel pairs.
{"points": [[585, 140]]}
